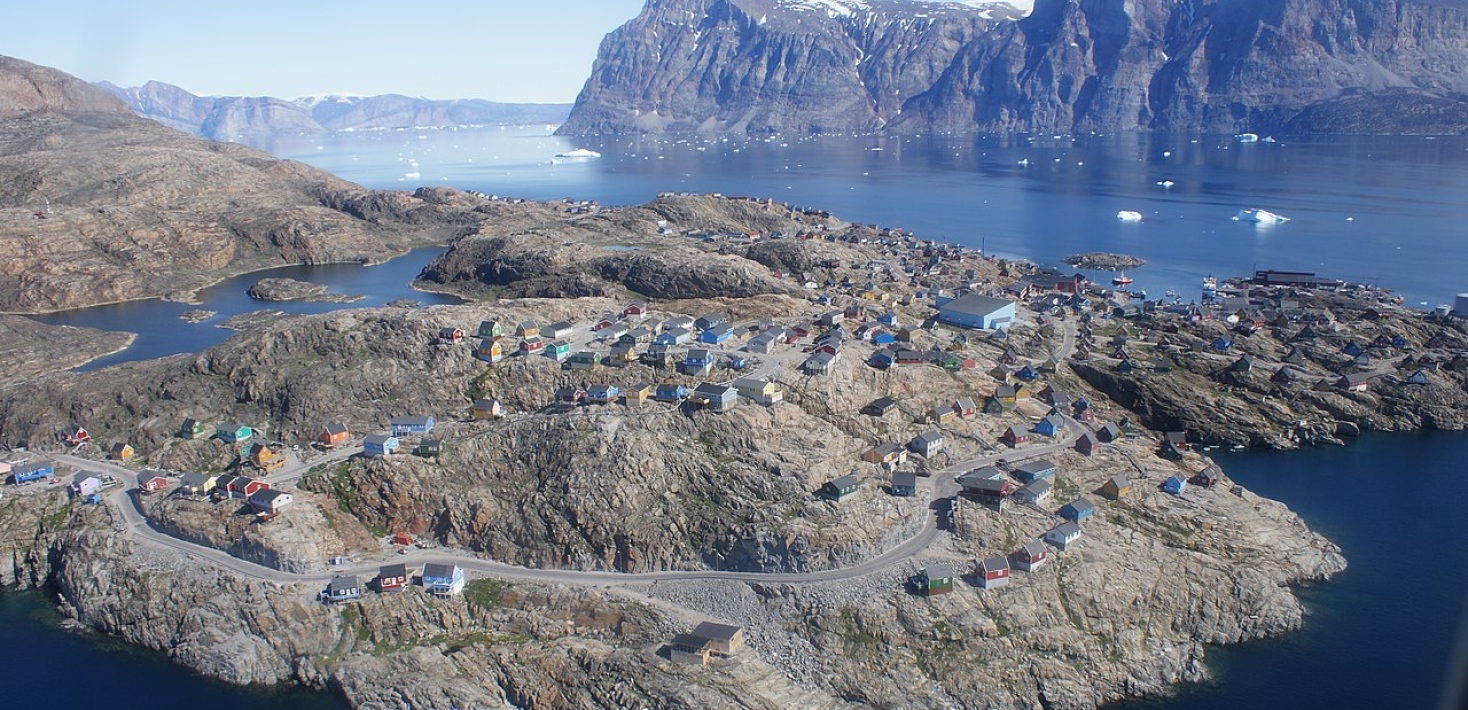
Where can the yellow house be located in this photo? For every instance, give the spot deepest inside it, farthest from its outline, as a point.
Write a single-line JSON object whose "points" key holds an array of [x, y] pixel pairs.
{"points": [[759, 391], [488, 409], [1116, 487], [637, 394], [121, 451], [266, 458]]}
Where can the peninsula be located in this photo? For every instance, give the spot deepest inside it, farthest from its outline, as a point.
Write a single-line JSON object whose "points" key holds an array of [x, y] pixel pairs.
{"points": [[860, 484]]}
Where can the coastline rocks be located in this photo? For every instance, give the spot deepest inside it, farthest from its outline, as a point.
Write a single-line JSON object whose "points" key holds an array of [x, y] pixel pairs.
{"points": [[1103, 261], [280, 289], [196, 315], [29, 349]]}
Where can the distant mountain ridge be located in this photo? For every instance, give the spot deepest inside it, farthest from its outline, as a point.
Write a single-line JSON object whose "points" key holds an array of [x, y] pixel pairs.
{"points": [[918, 66], [255, 120]]}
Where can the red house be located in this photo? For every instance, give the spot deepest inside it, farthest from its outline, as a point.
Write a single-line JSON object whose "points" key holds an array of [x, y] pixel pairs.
{"points": [[530, 346], [1087, 444], [74, 435], [1030, 557], [153, 484], [449, 336], [636, 309], [244, 486], [1015, 435], [392, 578], [993, 572]]}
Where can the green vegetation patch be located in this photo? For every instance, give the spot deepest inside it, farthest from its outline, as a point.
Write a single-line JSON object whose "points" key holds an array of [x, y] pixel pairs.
{"points": [[485, 593]]}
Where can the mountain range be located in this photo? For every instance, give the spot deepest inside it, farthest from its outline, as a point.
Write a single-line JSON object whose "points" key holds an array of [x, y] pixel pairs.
{"points": [[256, 120], [916, 66]]}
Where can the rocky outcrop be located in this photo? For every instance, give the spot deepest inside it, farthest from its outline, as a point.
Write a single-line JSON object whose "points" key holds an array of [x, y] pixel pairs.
{"points": [[259, 120], [29, 349], [1070, 66], [277, 289], [673, 248]]}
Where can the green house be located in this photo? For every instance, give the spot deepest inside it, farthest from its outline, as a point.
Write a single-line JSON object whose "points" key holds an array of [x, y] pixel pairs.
{"points": [[935, 579], [429, 448], [234, 432], [193, 429], [490, 329], [840, 488]]}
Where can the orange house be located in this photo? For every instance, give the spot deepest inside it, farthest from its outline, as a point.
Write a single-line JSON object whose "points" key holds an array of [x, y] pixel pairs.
{"points": [[334, 434]]}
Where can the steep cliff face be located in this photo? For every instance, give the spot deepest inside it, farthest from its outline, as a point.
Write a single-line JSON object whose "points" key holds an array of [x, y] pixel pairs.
{"points": [[762, 66], [1071, 65]]}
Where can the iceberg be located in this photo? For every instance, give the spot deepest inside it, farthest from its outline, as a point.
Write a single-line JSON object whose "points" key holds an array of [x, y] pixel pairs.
{"points": [[1247, 137], [1259, 216], [1129, 216], [579, 153]]}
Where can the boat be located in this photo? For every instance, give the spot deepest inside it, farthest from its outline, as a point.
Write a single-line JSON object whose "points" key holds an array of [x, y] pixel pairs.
{"points": [[1210, 287], [579, 153], [1259, 216], [1121, 280]]}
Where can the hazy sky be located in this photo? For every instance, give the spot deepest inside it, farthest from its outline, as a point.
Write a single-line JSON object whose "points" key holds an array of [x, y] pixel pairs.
{"points": [[502, 50]]}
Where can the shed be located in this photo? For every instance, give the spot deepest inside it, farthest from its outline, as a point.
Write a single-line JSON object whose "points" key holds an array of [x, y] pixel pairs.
{"points": [[1031, 556], [992, 572], [935, 579]]}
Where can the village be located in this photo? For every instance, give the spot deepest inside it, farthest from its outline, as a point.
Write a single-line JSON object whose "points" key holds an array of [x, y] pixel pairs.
{"points": [[1003, 443]]}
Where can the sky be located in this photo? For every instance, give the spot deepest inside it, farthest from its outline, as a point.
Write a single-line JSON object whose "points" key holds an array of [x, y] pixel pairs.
{"points": [[522, 51]]}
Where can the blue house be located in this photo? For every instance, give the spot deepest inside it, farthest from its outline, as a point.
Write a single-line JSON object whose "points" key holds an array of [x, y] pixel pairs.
{"points": [[1051, 425], [975, 311], [27, 472], [341, 589], [409, 426], [1027, 374], [882, 359], [717, 334], [884, 337], [1351, 348], [698, 362], [1077, 510], [602, 394], [674, 336], [670, 393], [443, 580], [379, 445], [889, 319], [1175, 485], [1222, 343], [1031, 470]]}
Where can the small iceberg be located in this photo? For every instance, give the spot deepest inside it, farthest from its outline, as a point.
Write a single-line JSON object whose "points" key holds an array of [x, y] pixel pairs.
{"points": [[1129, 216], [413, 175], [1247, 137], [1165, 184], [1260, 217], [579, 153]]}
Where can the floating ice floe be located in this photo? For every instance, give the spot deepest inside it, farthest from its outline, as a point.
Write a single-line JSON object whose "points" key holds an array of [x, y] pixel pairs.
{"points": [[579, 153], [1260, 217], [1247, 137], [1165, 184], [1129, 216]]}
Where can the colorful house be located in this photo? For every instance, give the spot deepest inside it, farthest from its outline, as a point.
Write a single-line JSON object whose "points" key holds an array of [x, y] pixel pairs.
{"points": [[935, 579], [885, 454], [1014, 436], [1175, 485], [966, 407], [557, 350], [412, 425], [490, 329], [637, 309], [450, 336], [583, 360], [602, 394], [120, 451], [443, 580], [85, 484], [840, 488], [716, 335], [265, 458], [37, 471], [714, 397], [670, 393], [333, 434], [879, 407], [193, 429], [243, 487], [490, 350], [234, 432], [1077, 510], [992, 572], [152, 484], [637, 394], [1036, 469], [392, 578], [1116, 487], [759, 391], [527, 329], [198, 484], [1051, 425], [341, 589], [74, 435], [1031, 556], [570, 396], [379, 445], [1087, 444], [532, 345], [904, 484]]}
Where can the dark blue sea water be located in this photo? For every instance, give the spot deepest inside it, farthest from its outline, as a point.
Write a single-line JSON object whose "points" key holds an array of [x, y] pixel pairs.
{"points": [[1386, 210], [51, 668], [160, 332]]}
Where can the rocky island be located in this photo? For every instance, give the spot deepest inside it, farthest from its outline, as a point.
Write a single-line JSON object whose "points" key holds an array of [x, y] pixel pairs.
{"points": [[597, 516], [279, 289], [1103, 261]]}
